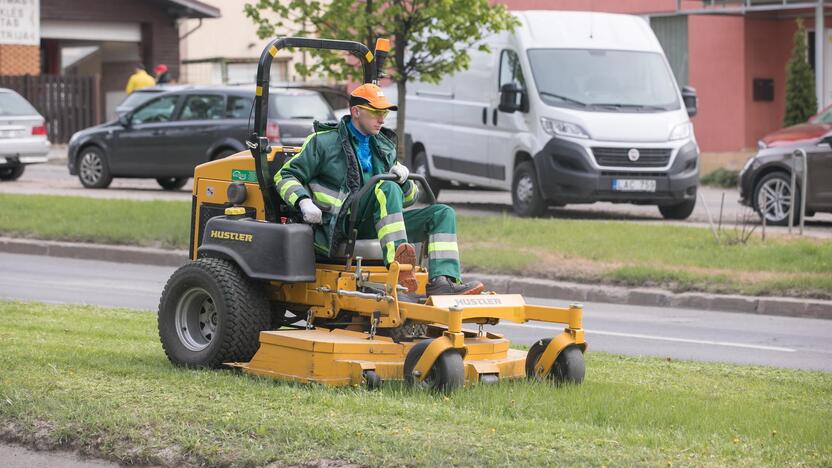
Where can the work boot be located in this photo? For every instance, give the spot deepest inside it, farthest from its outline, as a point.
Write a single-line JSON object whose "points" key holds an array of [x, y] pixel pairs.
{"points": [[406, 255], [445, 285]]}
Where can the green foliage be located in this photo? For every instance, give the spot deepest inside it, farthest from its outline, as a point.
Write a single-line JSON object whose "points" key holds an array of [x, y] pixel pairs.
{"points": [[801, 102], [724, 178], [436, 33], [96, 380]]}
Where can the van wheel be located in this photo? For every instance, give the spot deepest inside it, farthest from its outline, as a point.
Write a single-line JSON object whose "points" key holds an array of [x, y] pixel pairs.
{"points": [[525, 194], [420, 166], [681, 211]]}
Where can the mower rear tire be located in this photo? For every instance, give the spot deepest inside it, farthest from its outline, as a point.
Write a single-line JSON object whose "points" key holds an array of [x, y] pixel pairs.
{"points": [[569, 366], [211, 313], [446, 374]]}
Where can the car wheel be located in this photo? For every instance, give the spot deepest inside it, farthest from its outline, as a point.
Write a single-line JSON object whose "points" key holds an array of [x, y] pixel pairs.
{"points": [[525, 194], [773, 198], [172, 183], [679, 211], [11, 173], [224, 153], [420, 166], [93, 171]]}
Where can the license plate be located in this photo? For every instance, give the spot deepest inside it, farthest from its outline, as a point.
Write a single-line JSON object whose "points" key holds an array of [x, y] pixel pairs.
{"points": [[11, 133], [634, 185]]}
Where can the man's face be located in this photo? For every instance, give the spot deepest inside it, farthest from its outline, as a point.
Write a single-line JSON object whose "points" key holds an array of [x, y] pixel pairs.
{"points": [[368, 121]]}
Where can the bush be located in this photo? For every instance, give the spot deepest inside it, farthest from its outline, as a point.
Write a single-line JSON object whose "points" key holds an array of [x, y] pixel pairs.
{"points": [[801, 102], [724, 178]]}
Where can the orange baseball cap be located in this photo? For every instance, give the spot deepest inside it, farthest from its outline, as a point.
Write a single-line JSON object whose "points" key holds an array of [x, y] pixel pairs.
{"points": [[372, 95]]}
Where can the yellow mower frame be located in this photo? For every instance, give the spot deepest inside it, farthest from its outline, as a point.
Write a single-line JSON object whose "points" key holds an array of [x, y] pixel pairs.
{"points": [[326, 351]]}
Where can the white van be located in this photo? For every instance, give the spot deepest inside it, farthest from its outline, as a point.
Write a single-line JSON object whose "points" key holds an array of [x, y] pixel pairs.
{"points": [[571, 107]]}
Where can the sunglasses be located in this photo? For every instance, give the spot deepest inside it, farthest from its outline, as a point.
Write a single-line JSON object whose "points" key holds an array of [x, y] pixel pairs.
{"points": [[375, 112]]}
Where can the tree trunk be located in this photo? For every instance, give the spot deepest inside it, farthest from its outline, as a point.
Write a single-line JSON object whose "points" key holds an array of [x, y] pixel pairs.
{"points": [[401, 86]]}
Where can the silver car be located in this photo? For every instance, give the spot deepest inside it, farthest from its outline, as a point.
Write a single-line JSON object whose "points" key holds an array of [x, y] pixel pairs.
{"points": [[22, 135]]}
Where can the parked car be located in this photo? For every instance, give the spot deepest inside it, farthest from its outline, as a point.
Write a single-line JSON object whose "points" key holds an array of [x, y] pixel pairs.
{"points": [[817, 126], [140, 96], [23, 138], [173, 132], [765, 181], [571, 107]]}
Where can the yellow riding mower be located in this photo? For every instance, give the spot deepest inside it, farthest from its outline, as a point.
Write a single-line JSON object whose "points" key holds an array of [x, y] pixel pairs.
{"points": [[256, 297]]}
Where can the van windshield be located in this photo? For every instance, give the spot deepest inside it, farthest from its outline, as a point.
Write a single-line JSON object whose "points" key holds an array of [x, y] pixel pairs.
{"points": [[604, 80]]}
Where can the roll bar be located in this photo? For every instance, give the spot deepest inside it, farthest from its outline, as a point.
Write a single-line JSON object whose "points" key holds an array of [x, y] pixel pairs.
{"points": [[257, 142]]}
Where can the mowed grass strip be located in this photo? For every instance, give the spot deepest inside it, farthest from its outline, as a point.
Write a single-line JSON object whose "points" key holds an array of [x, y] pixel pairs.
{"points": [[97, 380], [157, 223], [636, 254]]}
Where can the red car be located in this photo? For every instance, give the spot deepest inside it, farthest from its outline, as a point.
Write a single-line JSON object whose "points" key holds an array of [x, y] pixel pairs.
{"points": [[816, 127]]}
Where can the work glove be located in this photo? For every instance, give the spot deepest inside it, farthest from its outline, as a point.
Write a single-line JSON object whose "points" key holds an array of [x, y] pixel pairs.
{"points": [[311, 213], [400, 171]]}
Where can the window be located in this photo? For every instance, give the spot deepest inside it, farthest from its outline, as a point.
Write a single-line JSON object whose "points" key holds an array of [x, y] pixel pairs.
{"points": [[239, 107], [510, 71], [824, 117], [12, 103], [159, 110], [301, 105], [203, 107], [604, 80]]}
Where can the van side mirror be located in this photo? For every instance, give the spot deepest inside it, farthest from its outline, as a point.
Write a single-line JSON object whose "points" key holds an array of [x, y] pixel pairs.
{"points": [[513, 98], [691, 101], [124, 120]]}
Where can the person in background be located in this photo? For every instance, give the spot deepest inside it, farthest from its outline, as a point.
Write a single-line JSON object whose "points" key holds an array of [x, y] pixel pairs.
{"points": [[162, 74], [139, 79]]}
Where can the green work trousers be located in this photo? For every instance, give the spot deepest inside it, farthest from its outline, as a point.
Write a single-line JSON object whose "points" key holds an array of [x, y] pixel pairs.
{"points": [[381, 217]]}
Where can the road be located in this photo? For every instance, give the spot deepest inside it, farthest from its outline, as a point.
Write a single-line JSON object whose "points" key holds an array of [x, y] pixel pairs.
{"points": [[638, 331], [54, 179]]}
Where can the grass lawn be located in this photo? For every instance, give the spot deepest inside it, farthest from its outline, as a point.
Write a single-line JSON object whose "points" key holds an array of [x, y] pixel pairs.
{"points": [[675, 257], [97, 380]]}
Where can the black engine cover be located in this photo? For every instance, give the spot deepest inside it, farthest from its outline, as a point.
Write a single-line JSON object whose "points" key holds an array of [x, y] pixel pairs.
{"points": [[263, 250]]}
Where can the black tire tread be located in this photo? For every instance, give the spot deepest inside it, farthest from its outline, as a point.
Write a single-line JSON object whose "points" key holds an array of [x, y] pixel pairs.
{"points": [[247, 312]]}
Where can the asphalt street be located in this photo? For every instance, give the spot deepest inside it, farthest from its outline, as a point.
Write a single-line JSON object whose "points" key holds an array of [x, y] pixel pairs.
{"points": [[54, 179], [630, 330]]}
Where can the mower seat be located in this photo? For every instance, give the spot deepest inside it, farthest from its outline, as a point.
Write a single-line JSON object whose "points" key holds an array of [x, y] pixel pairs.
{"points": [[368, 249]]}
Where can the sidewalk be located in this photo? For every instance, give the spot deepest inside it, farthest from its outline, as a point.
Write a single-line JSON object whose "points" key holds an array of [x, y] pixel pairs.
{"points": [[531, 287]]}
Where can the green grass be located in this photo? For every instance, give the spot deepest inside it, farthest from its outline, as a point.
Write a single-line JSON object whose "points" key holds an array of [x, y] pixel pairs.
{"points": [[97, 380], [723, 178], [676, 257], [147, 223]]}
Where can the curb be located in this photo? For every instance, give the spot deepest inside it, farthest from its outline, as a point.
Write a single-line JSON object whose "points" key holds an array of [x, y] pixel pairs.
{"points": [[574, 292]]}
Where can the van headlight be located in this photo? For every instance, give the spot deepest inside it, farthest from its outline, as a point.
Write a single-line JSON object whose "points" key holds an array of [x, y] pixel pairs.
{"points": [[561, 128], [681, 131]]}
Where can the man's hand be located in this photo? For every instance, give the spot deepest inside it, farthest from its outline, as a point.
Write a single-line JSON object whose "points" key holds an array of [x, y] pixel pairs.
{"points": [[311, 213], [400, 171]]}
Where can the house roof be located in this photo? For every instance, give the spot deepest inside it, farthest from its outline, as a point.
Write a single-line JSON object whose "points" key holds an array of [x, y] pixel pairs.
{"points": [[190, 9]]}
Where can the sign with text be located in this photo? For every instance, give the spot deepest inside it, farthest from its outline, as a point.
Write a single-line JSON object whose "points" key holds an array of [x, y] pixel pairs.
{"points": [[20, 22]]}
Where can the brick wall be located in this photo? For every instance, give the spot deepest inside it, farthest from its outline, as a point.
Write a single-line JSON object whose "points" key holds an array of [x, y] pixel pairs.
{"points": [[19, 59]]}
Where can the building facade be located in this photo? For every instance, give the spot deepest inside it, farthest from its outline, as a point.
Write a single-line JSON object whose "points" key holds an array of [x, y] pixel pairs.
{"points": [[100, 38]]}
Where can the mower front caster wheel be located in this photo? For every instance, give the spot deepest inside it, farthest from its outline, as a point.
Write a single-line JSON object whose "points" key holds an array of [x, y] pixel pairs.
{"points": [[446, 374], [371, 380], [568, 367]]}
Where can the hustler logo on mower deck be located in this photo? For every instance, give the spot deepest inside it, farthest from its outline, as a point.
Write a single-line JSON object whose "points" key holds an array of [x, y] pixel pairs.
{"points": [[477, 301], [231, 236]]}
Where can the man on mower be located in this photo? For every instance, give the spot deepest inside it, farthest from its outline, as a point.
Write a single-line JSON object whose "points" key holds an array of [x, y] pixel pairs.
{"points": [[337, 160]]}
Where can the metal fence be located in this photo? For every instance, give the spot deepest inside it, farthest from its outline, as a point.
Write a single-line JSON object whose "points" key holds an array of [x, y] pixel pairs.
{"points": [[69, 103]]}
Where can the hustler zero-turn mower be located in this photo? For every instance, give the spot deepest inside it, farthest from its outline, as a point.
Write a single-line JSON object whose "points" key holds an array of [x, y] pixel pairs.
{"points": [[254, 274]]}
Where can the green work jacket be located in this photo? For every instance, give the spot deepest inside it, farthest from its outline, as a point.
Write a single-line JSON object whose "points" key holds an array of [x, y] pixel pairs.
{"points": [[327, 171]]}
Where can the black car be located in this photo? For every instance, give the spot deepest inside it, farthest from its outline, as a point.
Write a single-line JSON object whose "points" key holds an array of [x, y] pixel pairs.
{"points": [[765, 181], [140, 96], [170, 134]]}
